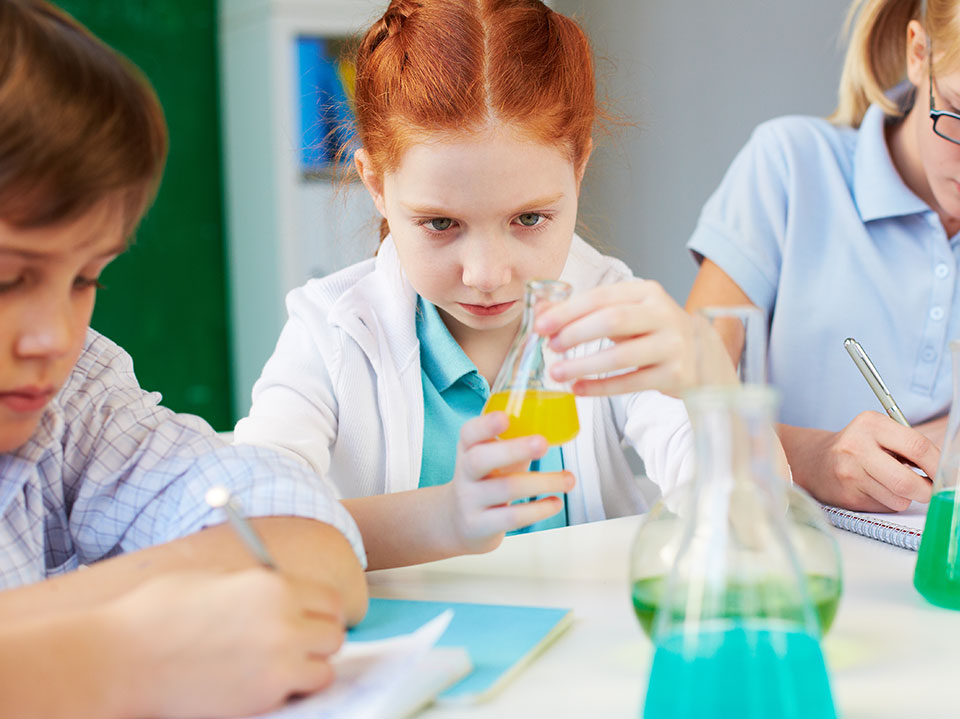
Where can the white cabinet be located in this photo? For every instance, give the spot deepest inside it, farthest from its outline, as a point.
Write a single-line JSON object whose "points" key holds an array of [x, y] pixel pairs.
{"points": [[282, 228]]}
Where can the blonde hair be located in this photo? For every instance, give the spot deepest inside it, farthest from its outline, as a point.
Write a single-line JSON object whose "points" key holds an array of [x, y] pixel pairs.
{"points": [[876, 57]]}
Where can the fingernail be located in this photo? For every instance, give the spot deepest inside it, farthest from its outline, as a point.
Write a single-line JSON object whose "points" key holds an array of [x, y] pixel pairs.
{"points": [[558, 372], [502, 420], [538, 444], [543, 326]]}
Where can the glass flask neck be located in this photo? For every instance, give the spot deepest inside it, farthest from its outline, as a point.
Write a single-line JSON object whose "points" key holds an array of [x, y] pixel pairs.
{"points": [[740, 330], [949, 466], [937, 572], [733, 435], [538, 291], [529, 358]]}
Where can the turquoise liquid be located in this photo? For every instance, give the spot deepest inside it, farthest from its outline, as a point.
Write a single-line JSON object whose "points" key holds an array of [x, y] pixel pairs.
{"points": [[738, 669]]}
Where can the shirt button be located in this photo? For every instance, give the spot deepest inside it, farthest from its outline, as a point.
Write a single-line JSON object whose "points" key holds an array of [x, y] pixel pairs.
{"points": [[928, 354], [941, 270], [936, 314]]}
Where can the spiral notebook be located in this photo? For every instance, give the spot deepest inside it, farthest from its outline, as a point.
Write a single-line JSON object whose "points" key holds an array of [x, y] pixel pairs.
{"points": [[902, 529]]}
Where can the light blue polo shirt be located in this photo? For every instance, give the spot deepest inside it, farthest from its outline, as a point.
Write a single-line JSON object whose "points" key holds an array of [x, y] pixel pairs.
{"points": [[453, 392], [815, 225]]}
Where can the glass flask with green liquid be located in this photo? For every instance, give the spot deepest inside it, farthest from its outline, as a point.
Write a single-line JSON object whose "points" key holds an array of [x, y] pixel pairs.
{"points": [[743, 331], [937, 576], [735, 576]]}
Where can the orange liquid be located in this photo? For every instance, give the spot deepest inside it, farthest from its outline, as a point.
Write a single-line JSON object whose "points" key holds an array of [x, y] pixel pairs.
{"points": [[551, 414]]}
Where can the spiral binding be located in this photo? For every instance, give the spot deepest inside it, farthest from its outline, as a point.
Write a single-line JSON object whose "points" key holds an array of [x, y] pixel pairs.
{"points": [[889, 532]]}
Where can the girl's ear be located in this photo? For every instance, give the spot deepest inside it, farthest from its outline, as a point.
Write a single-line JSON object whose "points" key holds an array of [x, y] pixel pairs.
{"points": [[917, 70], [371, 180], [583, 163]]}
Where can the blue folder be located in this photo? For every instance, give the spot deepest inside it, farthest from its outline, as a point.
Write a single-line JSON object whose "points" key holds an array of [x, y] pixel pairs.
{"points": [[501, 639]]}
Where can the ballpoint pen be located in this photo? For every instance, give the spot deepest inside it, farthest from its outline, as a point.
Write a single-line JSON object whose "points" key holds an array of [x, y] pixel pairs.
{"points": [[870, 374], [219, 497]]}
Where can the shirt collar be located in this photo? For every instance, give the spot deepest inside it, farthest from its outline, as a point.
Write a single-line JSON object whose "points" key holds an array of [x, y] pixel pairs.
{"points": [[878, 189], [441, 357], [19, 465]]}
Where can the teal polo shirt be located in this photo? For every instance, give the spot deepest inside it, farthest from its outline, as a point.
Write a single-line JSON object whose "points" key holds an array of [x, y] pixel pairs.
{"points": [[453, 392]]}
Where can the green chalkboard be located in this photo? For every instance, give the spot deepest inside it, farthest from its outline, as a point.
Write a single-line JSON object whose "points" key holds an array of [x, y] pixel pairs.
{"points": [[165, 301]]}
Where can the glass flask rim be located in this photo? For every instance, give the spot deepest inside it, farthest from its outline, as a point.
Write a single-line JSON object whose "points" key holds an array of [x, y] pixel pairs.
{"points": [[540, 284], [712, 396]]}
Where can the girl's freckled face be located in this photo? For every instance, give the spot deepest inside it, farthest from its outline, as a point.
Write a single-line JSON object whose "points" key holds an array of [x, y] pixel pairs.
{"points": [[474, 217]]}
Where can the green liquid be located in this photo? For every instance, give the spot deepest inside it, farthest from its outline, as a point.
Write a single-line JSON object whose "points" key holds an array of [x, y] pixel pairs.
{"points": [[768, 600], [937, 576], [742, 670]]}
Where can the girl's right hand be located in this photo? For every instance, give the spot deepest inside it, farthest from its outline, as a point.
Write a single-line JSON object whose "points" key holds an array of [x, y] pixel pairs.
{"points": [[223, 644], [490, 474]]}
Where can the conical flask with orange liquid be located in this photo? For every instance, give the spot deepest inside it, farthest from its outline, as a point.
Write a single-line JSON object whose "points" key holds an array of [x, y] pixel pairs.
{"points": [[524, 389]]}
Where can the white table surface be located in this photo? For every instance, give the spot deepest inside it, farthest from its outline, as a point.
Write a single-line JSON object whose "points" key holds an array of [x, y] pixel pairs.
{"points": [[890, 653]]}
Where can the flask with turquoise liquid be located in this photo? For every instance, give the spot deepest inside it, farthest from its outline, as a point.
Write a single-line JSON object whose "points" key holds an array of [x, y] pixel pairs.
{"points": [[937, 576], [734, 614]]}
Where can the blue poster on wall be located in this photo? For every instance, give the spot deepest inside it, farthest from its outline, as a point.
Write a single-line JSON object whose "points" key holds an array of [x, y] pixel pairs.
{"points": [[326, 119]]}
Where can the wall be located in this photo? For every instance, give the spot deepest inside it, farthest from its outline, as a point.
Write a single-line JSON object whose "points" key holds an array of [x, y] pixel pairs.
{"points": [[696, 77], [165, 301]]}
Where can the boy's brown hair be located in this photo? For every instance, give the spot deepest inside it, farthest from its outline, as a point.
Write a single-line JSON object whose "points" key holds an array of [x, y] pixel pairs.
{"points": [[79, 124]]}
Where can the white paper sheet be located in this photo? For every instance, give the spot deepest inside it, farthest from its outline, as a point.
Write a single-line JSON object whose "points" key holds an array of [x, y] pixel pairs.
{"points": [[373, 679]]}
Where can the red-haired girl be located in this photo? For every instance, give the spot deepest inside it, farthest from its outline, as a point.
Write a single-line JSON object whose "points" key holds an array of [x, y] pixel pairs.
{"points": [[475, 120]]}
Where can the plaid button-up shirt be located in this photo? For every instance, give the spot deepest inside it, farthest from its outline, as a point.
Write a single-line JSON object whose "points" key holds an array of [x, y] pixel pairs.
{"points": [[109, 471]]}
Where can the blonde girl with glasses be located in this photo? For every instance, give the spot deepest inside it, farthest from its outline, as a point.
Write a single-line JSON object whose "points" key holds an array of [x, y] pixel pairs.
{"points": [[850, 227]]}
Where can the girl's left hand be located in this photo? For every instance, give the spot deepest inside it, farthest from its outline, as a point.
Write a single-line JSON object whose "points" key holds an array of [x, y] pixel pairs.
{"points": [[653, 340]]}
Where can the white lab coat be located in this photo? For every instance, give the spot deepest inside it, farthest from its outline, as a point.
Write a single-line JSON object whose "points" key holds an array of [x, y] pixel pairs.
{"points": [[342, 392]]}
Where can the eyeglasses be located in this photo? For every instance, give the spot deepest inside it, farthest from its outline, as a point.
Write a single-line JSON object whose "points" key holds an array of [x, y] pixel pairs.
{"points": [[945, 124]]}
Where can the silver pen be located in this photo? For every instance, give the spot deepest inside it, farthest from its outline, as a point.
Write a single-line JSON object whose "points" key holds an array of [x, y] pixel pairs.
{"points": [[870, 374], [219, 497]]}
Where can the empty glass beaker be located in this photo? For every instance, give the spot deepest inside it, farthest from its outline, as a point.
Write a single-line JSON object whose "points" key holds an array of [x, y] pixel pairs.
{"points": [[535, 402], [937, 575], [742, 331], [722, 584]]}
